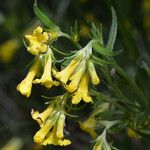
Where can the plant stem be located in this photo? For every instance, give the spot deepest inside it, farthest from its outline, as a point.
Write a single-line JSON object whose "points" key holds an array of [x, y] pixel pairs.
{"points": [[58, 51], [69, 38]]}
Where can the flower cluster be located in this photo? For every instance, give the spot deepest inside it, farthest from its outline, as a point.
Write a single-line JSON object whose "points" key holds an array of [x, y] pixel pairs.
{"points": [[42, 64], [52, 124], [75, 78]]}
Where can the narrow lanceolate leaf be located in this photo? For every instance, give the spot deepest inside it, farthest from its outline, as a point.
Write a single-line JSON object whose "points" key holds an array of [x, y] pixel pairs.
{"points": [[101, 61], [104, 51], [113, 31], [44, 19], [97, 33]]}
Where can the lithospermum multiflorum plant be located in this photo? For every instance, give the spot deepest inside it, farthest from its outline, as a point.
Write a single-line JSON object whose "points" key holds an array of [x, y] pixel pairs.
{"points": [[120, 104]]}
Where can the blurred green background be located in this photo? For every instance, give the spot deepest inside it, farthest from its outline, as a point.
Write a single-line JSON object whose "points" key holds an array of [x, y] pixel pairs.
{"points": [[17, 18]]}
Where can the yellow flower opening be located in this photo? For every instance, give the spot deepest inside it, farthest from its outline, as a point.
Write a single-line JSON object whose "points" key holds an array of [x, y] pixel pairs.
{"points": [[53, 139], [82, 91], [46, 78], [89, 126], [41, 117], [37, 41], [52, 124], [25, 86]]}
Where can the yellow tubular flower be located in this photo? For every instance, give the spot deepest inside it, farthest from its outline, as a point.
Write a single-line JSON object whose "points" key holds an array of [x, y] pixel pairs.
{"points": [[46, 78], [25, 86], [98, 146], [8, 49], [82, 91], [41, 117], [53, 139], [89, 126], [42, 133], [94, 77], [51, 132], [64, 75], [60, 126], [37, 41], [131, 133], [50, 138], [76, 77]]}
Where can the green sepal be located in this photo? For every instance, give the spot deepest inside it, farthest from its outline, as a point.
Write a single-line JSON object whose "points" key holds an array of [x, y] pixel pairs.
{"points": [[113, 31], [104, 51], [44, 19]]}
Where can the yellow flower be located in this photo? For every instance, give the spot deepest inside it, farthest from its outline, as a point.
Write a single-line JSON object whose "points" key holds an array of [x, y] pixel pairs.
{"points": [[37, 41], [76, 78], [85, 31], [14, 144], [101, 143], [146, 4], [39, 137], [41, 117], [89, 16], [94, 77], [53, 36], [98, 146], [64, 75], [52, 124], [53, 139], [60, 126], [25, 86], [131, 133], [46, 78], [82, 91], [89, 126], [8, 49]]}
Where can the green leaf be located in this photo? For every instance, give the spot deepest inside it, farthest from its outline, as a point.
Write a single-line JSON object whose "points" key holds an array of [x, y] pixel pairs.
{"points": [[143, 132], [113, 31], [101, 61], [97, 33], [75, 32], [104, 51], [134, 86], [44, 19]]}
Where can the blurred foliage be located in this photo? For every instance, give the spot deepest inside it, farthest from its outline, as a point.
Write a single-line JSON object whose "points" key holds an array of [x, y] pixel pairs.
{"points": [[17, 18]]}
